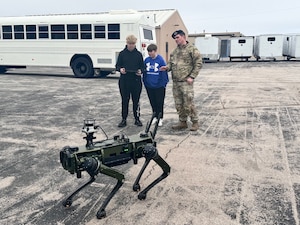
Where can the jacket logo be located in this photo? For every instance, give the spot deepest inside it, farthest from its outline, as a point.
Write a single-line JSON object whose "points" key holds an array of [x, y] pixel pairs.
{"points": [[152, 67]]}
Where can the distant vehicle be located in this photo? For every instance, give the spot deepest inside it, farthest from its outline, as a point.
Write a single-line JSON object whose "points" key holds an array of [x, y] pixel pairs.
{"points": [[88, 43], [241, 47], [209, 47], [291, 46], [268, 46]]}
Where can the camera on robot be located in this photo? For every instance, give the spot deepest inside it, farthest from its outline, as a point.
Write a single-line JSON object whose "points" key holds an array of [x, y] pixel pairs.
{"points": [[89, 126]]}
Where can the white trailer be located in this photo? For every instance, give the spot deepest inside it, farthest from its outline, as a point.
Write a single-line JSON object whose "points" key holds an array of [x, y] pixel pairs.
{"points": [[293, 47], [241, 47], [209, 47], [286, 44], [88, 43], [268, 46]]}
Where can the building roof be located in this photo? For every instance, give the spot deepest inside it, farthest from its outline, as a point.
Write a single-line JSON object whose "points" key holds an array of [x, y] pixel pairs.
{"points": [[230, 34], [161, 16]]}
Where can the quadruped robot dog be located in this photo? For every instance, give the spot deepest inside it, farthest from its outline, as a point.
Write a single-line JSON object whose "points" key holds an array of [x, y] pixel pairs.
{"points": [[101, 156]]}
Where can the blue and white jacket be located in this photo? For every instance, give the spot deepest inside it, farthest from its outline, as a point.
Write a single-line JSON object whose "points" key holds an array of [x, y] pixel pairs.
{"points": [[152, 77]]}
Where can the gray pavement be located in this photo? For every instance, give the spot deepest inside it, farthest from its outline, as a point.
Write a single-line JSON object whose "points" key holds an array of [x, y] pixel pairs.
{"points": [[241, 167]]}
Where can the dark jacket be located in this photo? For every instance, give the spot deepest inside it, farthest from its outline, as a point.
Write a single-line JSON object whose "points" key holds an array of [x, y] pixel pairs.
{"points": [[132, 61]]}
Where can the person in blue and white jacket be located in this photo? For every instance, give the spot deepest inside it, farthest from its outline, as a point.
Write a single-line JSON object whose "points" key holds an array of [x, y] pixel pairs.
{"points": [[155, 82]]}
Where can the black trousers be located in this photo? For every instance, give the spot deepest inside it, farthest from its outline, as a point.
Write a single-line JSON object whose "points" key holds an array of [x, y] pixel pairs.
{"points": [[130, 88], [157, 99]]}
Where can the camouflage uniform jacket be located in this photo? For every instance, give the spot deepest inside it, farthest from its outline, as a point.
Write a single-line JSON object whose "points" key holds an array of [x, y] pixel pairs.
{"points": [[185, 61]]}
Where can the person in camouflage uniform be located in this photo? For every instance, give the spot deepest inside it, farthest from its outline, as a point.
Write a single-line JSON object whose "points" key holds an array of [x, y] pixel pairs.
{"points": [[185, 64]]}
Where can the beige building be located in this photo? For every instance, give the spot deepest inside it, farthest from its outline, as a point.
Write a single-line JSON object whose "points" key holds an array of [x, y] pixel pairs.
{"points": [[166, 22], [169, 20]]}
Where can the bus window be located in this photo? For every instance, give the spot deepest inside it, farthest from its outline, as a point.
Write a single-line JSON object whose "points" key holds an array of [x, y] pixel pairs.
{"points": [[58, 31], [19, 31], [7, 32], [30, 32], [113, 31], [148, 34], [72, 31], [85, 31], [43, 32], [99, 31]]}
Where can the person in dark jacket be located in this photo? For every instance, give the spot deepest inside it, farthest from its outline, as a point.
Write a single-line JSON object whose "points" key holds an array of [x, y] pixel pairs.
{"points": [[155, 82], [130, 64]]}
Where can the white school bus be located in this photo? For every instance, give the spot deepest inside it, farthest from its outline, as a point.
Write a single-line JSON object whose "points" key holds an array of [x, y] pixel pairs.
{"points": [[88, 43]]}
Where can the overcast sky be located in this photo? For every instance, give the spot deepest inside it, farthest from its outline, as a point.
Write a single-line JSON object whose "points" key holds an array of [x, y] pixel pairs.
{"points": [[250, 17]]}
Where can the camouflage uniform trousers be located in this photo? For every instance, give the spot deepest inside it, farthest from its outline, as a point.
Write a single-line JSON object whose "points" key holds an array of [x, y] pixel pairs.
{"points": [[183, 94]]}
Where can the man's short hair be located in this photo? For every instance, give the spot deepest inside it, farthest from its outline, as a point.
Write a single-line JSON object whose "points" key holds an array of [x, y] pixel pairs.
{"points": [[131, 39], [180, 32]]}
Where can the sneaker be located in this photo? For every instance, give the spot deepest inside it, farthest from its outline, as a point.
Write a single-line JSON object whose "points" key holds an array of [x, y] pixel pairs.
{"points": [[160, 122], [122, 123], [138, 122], [154, 120]]}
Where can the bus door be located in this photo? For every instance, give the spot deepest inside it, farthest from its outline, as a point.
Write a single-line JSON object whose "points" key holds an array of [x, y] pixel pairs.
{"points": [[147, 36]]}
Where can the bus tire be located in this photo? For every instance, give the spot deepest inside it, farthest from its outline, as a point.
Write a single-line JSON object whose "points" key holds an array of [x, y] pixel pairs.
{"points": [[3, 69], [82, 67]]}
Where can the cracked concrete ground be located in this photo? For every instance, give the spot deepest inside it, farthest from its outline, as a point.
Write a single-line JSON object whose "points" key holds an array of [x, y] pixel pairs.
{"points": [[241, 167]]}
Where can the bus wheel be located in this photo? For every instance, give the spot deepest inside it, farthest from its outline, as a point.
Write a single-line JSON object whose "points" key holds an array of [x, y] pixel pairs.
{"points": [[82, 68], [2, 69]]}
